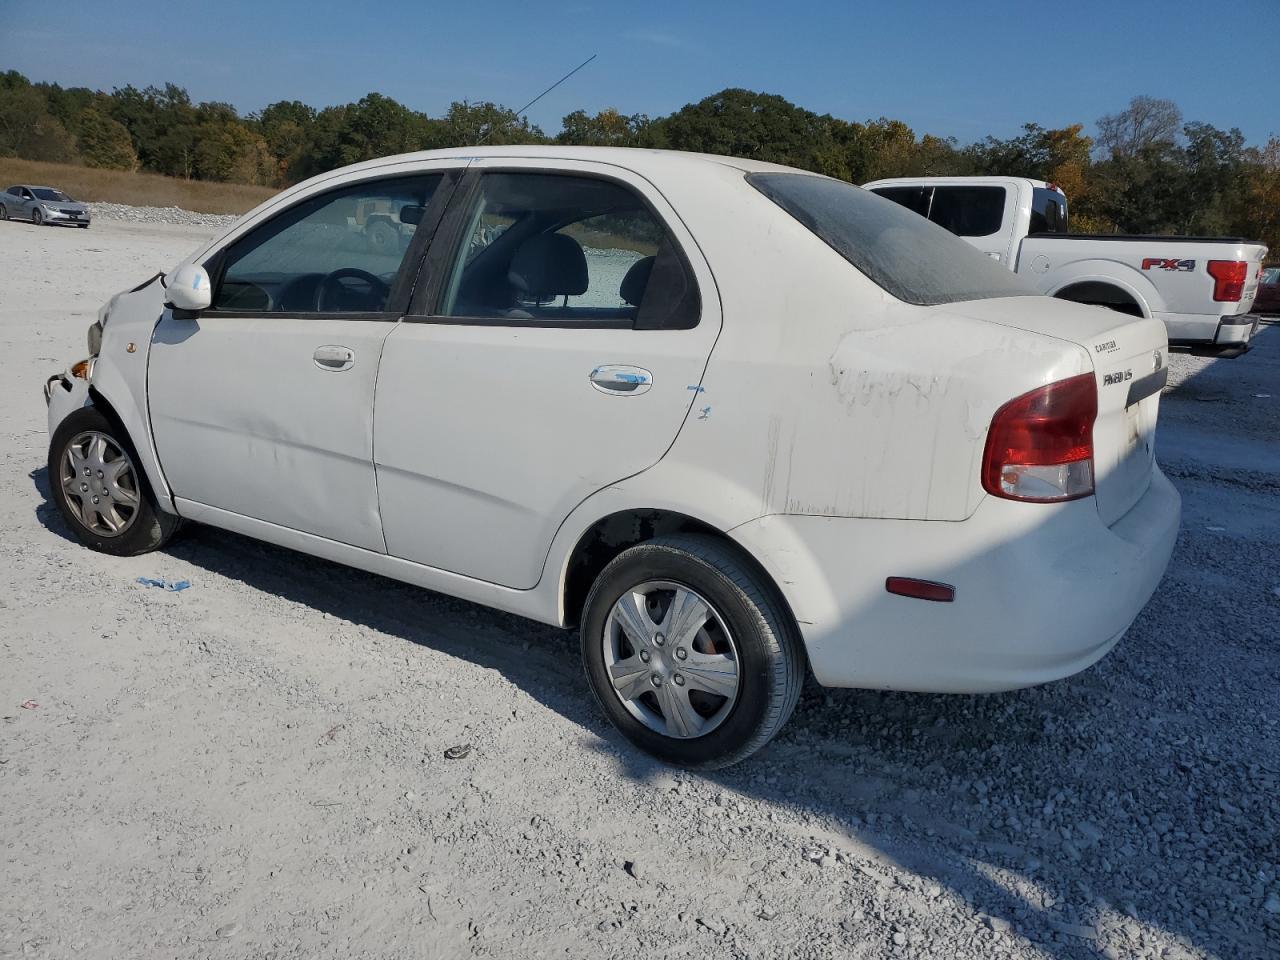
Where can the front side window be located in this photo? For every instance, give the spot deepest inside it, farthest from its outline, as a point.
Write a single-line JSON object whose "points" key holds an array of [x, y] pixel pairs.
{"points": [[906, 255], [338, 252], [566, 249]]}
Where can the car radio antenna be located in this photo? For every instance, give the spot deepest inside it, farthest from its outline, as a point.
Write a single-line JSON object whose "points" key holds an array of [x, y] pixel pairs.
{"points": [[492, 129]]}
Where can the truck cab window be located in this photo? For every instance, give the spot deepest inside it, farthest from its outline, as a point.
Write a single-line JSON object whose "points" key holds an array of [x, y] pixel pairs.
{"points": [[1048, 211]]}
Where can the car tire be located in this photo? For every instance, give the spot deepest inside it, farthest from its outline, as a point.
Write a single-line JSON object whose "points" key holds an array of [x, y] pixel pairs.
{"points": [[37, 217], [4, 212], [83, 226], [747, 633], [382, 237], [143, 526]]}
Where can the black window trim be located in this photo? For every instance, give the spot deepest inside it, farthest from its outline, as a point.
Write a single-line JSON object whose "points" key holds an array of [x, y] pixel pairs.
{"points": [[425, 304], [402, 287]]}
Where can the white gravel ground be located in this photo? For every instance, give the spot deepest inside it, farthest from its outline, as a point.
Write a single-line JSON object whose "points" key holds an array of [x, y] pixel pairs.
{"points": [[255, 767]]}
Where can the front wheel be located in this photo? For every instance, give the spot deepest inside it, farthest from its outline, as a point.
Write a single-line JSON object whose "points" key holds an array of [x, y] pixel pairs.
{"points": [[690, 652], [4, 212], [100, 490], [37, 217]]}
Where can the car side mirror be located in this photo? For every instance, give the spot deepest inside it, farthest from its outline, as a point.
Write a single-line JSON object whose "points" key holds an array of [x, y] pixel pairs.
{"points": [[412, 213], [189, 290]]}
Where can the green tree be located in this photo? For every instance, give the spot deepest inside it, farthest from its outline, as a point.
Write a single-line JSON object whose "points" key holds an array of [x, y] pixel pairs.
{"points": [[467, 124], [27, 129], [743, 123], [103, 142], [608, 128]]}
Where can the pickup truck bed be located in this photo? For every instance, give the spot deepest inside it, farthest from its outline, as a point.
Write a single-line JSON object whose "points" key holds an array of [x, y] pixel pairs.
{"points": [[1201, 287]]}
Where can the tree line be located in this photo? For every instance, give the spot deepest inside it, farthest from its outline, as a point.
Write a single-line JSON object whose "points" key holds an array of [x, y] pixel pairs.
{"points": [[1148, 170]]}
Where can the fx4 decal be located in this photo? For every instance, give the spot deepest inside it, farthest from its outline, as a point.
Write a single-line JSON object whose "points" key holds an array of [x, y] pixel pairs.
{"points": [[1160, 263]]}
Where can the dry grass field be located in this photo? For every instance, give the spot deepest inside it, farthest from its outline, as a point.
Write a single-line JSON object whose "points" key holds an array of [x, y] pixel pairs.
{"points": [[137, 189]]}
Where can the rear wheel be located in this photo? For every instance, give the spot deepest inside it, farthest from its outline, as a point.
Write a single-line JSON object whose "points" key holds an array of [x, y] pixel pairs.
{"points": [[690, 653], [101, 491]]}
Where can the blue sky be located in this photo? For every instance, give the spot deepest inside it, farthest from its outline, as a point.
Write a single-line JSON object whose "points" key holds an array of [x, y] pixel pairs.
{"points": [[957, 68]]}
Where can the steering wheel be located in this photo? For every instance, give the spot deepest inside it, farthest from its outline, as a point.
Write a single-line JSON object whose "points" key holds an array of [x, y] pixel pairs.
{"points": [[332, 285]]}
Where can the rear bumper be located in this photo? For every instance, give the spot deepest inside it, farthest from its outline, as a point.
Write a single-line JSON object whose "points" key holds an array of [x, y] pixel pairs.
{"points": [[1041, 591], [1236, 331], [1198, 331]]}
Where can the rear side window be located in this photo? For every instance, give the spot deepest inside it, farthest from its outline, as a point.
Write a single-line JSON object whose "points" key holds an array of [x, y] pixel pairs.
{"points": [[968, 211], [1048, 211], [909, 257], [965, 211], [559, 249]]}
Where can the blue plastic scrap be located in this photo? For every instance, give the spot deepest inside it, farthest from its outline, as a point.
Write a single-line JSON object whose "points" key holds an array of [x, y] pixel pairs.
{"points": [[172, 586]]}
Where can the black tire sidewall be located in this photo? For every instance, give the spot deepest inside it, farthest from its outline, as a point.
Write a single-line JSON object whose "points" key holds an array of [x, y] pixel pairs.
{"points": [[757, 653], [149, 529], [37, 218]]}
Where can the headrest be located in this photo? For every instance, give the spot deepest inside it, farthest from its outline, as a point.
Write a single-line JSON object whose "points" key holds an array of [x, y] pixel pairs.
{"points": [[549, 265], [634, 283]]}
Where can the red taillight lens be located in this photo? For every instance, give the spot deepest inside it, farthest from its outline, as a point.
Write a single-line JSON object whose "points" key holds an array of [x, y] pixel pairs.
{"points": [[1228, 279], [1040, 445]]}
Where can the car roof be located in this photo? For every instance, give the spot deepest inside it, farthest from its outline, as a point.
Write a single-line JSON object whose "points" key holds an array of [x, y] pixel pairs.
{"points": [[638, 159]]}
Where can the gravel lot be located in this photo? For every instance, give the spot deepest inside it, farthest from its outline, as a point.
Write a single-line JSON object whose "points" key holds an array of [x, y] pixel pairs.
{"points": [[255, 767]]}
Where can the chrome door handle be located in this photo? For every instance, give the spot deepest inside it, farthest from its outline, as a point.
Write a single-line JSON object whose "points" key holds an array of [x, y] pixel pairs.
{"points": [[620, 379], [334, 358]]}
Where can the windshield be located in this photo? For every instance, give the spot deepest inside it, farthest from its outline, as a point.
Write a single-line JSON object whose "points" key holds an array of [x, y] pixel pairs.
{"points": [[44, 193], [909, 257]]}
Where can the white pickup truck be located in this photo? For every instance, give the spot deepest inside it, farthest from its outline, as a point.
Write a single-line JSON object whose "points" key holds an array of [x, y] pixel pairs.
{"points": [[1201, 287]]}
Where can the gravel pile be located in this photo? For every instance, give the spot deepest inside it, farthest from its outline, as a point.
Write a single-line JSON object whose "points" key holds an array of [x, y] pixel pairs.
{"points": [[171, 215], [299, 760]]}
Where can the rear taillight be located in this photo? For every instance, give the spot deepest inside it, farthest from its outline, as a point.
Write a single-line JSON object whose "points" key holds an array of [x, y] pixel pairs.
{"points": [[1040, 445], [1228, 279]]}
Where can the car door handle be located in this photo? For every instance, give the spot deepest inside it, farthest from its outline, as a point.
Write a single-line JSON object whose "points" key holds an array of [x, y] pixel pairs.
{"points": [[334, 358], [621, 380]]}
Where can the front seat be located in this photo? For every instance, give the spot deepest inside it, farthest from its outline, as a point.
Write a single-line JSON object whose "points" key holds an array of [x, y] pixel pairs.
{"points": [[547, 266]]}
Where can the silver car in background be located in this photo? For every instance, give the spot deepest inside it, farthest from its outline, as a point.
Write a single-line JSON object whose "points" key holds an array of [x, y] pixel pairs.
{"points": [[42, 205]]}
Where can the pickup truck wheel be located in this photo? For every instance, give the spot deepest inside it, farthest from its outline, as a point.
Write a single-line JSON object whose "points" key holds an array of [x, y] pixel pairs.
{"points": [[382, 237], [101, 492], [691, 655]]}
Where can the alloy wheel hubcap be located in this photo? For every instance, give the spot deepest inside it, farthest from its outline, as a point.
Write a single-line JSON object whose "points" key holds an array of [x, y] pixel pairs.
{"points": [[671, 660], [100, 484]]}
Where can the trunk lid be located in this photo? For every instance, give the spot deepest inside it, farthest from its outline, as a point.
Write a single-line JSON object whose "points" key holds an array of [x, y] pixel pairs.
{"points": [[1129, 356]]}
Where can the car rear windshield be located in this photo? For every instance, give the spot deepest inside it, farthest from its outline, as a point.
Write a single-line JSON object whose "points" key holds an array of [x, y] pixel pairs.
{"points": [[909, 257], [43, 193]]}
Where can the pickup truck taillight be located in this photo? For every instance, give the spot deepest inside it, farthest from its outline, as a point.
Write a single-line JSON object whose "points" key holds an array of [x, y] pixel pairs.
{"points": [[1040, 445], [1228, 279]]}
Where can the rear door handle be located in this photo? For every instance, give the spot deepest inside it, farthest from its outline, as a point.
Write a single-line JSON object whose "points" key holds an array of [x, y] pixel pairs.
{"points": [[334, 358], [619, 379]]}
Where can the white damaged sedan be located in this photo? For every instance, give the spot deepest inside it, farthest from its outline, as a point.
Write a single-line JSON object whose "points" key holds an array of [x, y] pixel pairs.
{"points": [[734, 421]]}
